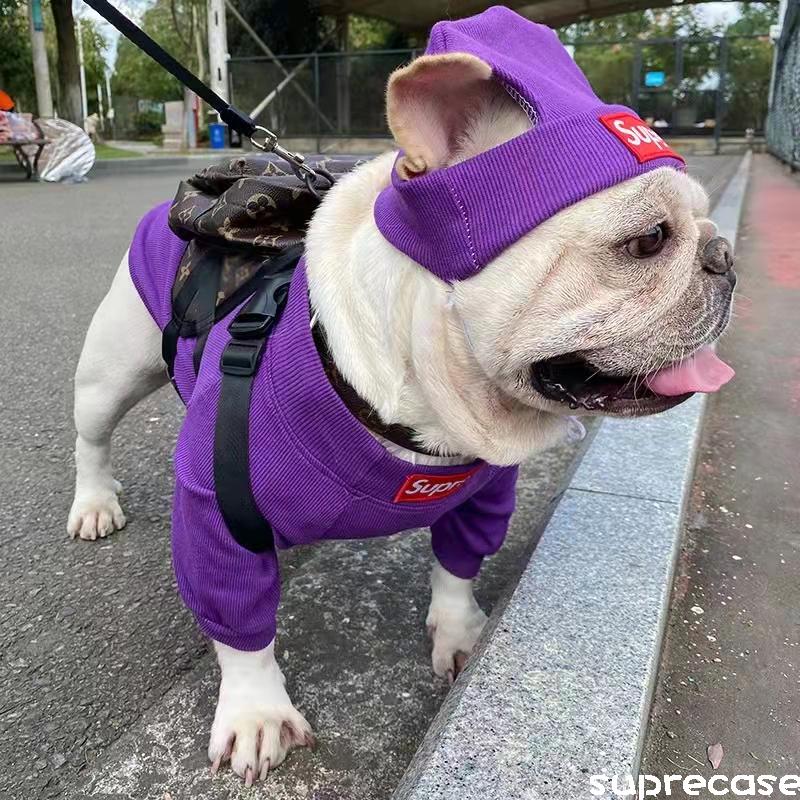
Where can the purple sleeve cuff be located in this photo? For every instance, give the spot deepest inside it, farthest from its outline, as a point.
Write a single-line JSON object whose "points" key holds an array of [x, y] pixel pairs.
{"points": [[234, 639], [454, 559], [463, 537]]}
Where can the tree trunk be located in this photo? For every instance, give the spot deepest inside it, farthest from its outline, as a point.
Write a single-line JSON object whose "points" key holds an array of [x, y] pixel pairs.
{"points": [[68, 70]]}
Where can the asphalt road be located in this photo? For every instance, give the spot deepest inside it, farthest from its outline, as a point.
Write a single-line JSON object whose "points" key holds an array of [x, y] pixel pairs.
{"points": [[106, 688], [89, 636]]}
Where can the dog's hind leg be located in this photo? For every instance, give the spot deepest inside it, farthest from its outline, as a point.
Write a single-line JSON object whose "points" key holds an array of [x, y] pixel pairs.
{"points": [[119, 365]]}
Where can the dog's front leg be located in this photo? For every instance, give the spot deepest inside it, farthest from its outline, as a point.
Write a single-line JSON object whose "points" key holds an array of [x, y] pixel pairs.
{"points": [[461, 539], [255, 724], [454, 622]]}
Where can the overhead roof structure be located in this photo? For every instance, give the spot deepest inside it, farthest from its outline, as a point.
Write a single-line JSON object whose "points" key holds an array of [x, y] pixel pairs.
{"points": [[419, 15]]}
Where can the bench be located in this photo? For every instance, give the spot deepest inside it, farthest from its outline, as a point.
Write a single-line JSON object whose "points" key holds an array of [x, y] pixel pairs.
{"points": [[31, 166], [33, 137]]}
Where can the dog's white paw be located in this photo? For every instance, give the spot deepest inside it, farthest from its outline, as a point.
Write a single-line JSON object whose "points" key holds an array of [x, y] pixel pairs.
{"points": [[96, 514], [455, 622], [454, 630], [255, 724], [256, 740]]}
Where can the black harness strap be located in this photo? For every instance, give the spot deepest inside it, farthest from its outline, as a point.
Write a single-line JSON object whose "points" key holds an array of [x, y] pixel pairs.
{"points": [[203, 282], [199, 349], [239, 363]]}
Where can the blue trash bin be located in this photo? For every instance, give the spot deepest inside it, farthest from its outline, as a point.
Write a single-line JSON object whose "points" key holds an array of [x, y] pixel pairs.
{"points": [[216, 135]]}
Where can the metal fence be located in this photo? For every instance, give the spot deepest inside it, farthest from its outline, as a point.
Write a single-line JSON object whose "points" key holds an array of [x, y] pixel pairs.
{"points": [[783, 123], [713, 86], [329, 94]]}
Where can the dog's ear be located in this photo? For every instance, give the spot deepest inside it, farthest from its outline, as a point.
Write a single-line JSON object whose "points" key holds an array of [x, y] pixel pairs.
{"points": [[429, 105]]}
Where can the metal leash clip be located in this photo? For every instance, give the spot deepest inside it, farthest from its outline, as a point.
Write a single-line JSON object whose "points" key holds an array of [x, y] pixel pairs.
{"points": [[297, 162]]}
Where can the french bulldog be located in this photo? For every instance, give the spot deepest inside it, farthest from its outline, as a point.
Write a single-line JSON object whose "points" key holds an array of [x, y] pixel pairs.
{"points": [[609, 306]]}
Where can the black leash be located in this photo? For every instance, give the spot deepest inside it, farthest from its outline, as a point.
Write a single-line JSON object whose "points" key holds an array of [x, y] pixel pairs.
{"points": [[238, 120]]}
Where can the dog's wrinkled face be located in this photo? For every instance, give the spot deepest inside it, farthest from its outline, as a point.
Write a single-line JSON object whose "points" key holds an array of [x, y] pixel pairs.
{"points": [[579, 312], [588, 311]]}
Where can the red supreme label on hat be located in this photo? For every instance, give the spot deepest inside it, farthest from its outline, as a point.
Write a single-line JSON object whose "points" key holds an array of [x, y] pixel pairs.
{"points": [[638, 137], [420, 488]]}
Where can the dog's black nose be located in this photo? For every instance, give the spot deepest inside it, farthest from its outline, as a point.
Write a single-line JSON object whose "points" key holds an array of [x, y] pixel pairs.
{"points": [[717, 256]]}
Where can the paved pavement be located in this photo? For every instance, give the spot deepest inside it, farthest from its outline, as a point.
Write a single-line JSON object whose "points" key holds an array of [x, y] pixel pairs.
{"points": [[730, 672], [89, 636], [105, 686]]}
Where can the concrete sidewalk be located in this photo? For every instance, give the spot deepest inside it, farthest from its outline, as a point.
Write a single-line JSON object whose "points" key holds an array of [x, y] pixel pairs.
{"points": [[731, 667]]}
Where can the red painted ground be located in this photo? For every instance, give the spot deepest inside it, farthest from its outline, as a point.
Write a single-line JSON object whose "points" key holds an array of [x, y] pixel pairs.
{"points": [[731, 667]]}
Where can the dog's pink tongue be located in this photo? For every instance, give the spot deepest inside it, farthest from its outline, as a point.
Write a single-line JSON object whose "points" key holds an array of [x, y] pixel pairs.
{"points": [[703, 372]]}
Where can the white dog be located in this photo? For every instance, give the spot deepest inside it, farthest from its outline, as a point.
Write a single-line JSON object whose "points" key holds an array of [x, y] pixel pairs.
{"points": [[567, 317]]}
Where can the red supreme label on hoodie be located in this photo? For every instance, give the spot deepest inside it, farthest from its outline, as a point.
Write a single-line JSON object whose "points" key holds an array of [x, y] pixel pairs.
{"points": [[638, 137], [420, 488]]}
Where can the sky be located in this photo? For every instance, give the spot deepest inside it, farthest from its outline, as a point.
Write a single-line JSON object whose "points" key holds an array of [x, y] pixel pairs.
{"points": [[721, 12], [714, 13]]}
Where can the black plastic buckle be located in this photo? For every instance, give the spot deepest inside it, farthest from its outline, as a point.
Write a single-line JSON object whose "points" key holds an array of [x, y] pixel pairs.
{"points": [[241, 357], [251, 325]]}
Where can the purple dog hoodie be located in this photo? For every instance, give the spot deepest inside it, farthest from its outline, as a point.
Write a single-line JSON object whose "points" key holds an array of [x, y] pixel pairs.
{"points": [[316, 472]]}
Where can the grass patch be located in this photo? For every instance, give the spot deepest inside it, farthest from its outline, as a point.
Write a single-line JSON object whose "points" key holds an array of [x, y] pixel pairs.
{"points": [[107, 151], [103, 151]]}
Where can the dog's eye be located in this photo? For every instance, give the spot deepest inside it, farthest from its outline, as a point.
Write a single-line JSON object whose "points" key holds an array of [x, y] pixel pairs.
{"points": [[648, 244]]}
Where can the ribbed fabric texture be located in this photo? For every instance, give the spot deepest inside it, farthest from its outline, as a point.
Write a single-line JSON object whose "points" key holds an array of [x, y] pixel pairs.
{"points": [[316, 472], [454, 221]]}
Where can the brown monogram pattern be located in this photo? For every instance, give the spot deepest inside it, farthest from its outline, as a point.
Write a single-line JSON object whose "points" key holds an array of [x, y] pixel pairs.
{"points": [[242, 212]]}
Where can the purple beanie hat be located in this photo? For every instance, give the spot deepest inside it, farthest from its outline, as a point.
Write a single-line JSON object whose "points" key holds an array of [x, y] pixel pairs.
{"points": [[455, 220]]}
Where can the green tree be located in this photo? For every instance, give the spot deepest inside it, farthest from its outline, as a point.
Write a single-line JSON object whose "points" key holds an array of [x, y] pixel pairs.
{"points": [[94, 60], [16, 67], [749, 67], [367, 33], [136, 74], [753, 19], [610, 65]]}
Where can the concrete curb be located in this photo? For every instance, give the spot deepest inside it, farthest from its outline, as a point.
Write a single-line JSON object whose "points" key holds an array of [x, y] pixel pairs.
{"points": [[122, 165], [561, 686], [148, 163], [137, 163]]}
